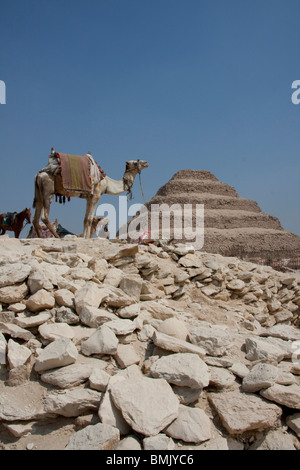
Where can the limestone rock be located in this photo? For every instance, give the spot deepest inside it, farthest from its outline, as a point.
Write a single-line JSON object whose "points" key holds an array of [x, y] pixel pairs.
{"points": [[126, 355], [94, 317], [94, 437], [274, 440], [15, 331], [170, 343], [261, 376], [13, 294], [41, 300], [129, 443], [52, 331], [191, 425], [174, 327], [22, 403], [148, 405], [70, 403], [293, 422], [261, 349], [72, 375], [241, 412], [103, 341], [14, 273], [64, 298], [90, 295], [286, 395], [183, 369], [60, 352], [30, 321], [158, 442], [17, 354], [99, 379], [213, 339]]}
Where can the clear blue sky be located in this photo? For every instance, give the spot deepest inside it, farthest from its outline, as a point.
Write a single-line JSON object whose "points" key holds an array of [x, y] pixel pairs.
{"points": [[198, 84]]}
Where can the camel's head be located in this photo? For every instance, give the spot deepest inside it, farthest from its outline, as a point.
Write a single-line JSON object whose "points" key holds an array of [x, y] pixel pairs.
{"points": [[136, 165]]}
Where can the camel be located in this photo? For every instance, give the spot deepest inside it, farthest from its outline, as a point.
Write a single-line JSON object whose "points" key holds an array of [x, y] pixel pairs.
{"points": [[46, 185]]}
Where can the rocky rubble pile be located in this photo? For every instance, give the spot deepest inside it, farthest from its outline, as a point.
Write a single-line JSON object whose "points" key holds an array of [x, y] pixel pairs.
{"points": [[109, 345]]}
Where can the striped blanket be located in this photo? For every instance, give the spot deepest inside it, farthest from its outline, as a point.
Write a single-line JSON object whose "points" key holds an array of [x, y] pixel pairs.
{"points": [[75, 172]]}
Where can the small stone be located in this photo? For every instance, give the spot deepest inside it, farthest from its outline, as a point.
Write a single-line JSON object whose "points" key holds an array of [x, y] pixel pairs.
{"points": [[103, 341], [60, 352], [41, 300], [191, 425], [95, 437]]}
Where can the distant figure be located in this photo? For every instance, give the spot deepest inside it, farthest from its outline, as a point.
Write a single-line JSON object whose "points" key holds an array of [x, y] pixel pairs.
{"points": [[102, 228]]}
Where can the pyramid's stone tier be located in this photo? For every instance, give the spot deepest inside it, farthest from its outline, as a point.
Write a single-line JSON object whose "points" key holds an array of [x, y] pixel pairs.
{"points": [[252, 243], [194, 175], [195, 187], [210, 201], [228, 219]]}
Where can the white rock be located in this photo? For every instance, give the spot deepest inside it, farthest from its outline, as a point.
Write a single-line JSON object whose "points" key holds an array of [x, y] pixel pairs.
{"points": [[132, 286], [103, 341], [129, 312], [94, 317], [15, 331], [30, 321], [183, 369], [158, 442], [90, 294], [261, 349], [148, 405], [41, 300], [22, 402], [129, 443], [64, 298], [293, 422], [94, 437], [126, 355], [191, 425], [72, 375], [52, 331], [17, 354], [99, 380], [286, 395], [286, 332], [13, 273], [274, 440], [70, 403], [39, 280], [174, 327], [213, 339], [170, 343], [241, 412], [60, 352], [13, 294], [121, 326], [262, 375]]}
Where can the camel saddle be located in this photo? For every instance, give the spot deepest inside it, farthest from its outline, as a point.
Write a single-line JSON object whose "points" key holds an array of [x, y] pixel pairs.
{"points": [[78, 172]]}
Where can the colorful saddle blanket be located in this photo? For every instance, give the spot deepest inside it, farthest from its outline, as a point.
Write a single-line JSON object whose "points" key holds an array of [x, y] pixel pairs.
{"points": [[75, 172]]}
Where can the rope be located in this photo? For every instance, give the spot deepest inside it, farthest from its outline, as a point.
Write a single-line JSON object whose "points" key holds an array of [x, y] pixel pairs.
{"points": [[142, 187]]}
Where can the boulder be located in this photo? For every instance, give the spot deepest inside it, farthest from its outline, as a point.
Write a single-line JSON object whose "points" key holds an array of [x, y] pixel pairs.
{"points": [[102, 341], [70, 403], [60, 352], [94, 437], [147, 405], [14, 273], [213, 339], [261, 376], [182, 369], [286, 395], [17, 354], [241, 412], [191, 425], [41, 300], [72, 375], [13, 294], [170, 343]]}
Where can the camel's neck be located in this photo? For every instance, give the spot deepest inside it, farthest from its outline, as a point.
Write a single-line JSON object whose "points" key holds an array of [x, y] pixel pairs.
{"points": [[115, 187]]}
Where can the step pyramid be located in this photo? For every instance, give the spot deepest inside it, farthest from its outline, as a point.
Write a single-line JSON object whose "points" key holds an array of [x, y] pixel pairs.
{"points": [[233, 226]]}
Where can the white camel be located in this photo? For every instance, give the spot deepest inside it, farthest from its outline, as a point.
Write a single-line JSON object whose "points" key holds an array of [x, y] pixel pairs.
{"points": [[47, 185]]}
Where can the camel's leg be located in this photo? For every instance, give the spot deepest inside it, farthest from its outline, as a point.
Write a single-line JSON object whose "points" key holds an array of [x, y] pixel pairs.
{"points": [[45, 217], [36, 218], [91, 204]]}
